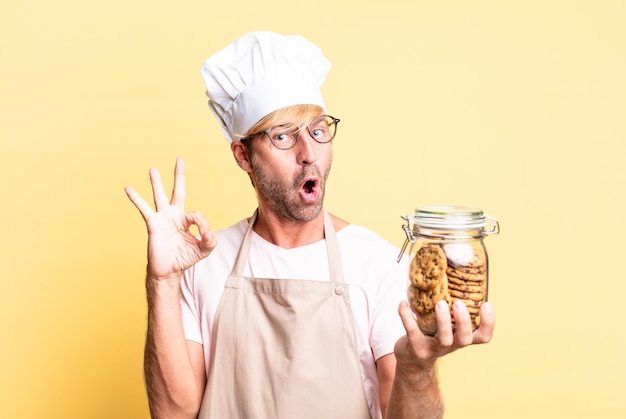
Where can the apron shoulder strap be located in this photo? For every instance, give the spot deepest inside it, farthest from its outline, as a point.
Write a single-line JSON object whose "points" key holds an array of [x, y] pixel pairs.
{"points": [[332, 247], [242, 256]]}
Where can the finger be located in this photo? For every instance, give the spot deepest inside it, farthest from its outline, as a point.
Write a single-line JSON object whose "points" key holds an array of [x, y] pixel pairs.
{"points": [[415, 338], [199, 220], [444, 323], [179, 192], [143, 207], [408, 321], [158, 193], [207, 240], [463, 324], [484, 333]]}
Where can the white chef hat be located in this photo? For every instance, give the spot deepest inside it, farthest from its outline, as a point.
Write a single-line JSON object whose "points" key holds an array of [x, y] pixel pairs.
{"points": [[260, 73]]}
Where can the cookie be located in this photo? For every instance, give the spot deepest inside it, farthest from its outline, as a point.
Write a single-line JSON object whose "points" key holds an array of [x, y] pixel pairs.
{"points": [[474, 296], [428, 267], [465, 287], [427, 323], [453, 280], [469, 269], [464, 254], [423, 301], [469, 276]]}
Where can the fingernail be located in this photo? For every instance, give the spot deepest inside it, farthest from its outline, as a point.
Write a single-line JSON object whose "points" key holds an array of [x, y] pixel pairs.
{"points": [[487, 308], [442, 305], [459, 305]]}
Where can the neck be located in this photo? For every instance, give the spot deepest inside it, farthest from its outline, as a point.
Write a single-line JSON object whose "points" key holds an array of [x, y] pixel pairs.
{"points": [[288, 233]]}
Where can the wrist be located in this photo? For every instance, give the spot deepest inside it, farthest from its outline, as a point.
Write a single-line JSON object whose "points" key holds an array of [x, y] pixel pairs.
{"points": [[415, 375], [154, 276], [163, 287]]}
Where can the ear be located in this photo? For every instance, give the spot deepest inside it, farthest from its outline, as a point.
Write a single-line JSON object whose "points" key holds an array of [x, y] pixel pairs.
{"points": [[240, 153]]}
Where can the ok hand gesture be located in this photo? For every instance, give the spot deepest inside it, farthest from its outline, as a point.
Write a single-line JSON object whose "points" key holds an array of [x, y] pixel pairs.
{"points": [[172, 248]]}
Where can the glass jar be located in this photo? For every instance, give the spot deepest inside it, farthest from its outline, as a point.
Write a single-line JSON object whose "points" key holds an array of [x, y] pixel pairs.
{"points": [[448, 260]]}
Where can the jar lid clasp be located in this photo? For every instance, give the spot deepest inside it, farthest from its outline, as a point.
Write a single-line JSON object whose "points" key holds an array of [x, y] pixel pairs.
{"points": [[410, 238], [491, 226]]}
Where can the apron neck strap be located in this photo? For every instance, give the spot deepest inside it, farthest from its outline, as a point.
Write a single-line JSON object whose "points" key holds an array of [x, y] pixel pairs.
{"points": [[332, 249]]}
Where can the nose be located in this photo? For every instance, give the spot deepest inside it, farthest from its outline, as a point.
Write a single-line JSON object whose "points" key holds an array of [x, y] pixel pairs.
{"points": [[306, 148]]}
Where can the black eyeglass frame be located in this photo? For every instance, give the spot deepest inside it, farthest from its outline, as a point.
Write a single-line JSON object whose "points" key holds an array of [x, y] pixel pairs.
{"points": [[308, 128]]}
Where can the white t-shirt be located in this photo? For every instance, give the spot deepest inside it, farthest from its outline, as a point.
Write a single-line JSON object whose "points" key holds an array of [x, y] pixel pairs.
{"points": [[377, 285]]}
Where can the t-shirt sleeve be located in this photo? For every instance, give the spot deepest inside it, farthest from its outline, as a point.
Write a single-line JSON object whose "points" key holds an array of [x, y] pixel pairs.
{"points": [[189, 311], [387, 326]]}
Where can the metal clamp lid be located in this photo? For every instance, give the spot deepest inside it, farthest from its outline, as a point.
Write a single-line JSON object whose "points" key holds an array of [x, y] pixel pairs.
{"points": [[443, 221]]}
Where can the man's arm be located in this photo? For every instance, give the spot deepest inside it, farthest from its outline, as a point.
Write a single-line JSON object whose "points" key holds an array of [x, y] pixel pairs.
{"points": [[386, 369], [408, 395], [415, 394], [173, 367]]}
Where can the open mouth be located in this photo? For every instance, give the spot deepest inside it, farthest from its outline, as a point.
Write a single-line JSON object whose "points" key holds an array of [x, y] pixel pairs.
{"points": [[310, 190], [309, 186]]}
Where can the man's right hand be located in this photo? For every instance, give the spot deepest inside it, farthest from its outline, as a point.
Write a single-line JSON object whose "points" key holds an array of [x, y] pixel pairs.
{"points": [[172, 248]]}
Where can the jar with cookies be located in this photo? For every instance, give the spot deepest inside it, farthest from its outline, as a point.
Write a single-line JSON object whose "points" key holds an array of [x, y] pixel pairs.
{"points": [[449, 260]]}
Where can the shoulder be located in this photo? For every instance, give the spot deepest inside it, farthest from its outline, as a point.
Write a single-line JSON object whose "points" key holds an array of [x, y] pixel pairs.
{"points": [[338, 223], [232, 233], [369, 251], [365, 240]]}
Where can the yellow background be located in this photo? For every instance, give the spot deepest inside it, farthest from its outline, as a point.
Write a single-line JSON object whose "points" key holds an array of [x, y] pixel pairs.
{"points": [[515, 107]]}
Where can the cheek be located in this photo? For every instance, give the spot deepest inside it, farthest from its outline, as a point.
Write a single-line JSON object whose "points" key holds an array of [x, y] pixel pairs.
{"points": [[267, 171], [327, 160]]}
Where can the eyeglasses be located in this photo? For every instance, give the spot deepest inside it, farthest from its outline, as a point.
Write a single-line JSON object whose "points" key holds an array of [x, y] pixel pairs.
{"points": [[322, 129]]}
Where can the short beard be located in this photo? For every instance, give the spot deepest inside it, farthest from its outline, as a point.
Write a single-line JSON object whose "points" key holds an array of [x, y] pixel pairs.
{"points": [[282, 199]]}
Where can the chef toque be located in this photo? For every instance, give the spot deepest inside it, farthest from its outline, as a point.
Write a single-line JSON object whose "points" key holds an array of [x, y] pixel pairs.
{"points": [[260, 73]]}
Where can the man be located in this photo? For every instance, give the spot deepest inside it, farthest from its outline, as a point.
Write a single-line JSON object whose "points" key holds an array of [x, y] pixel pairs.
{"points": [[292, 313]]}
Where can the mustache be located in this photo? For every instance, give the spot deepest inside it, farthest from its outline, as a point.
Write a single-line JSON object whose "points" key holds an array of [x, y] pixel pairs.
{"points": [[309, 171]]}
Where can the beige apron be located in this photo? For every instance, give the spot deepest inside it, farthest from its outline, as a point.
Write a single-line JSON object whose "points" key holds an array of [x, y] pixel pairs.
{"points": [[284, 348]]}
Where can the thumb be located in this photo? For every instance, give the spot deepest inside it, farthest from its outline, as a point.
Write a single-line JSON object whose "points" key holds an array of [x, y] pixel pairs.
{"points": [[207, 243]]}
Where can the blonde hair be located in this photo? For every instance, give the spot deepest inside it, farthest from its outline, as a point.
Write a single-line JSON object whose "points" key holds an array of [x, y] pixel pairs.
{"points": [[292, 115]]}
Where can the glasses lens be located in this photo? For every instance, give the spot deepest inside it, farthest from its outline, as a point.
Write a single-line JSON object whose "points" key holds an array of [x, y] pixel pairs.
{"points": [[283, 137], [323, 128]]}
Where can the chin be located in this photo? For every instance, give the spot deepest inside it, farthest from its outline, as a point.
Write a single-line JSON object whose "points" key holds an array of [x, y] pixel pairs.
{"points": [[306, 214]]}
